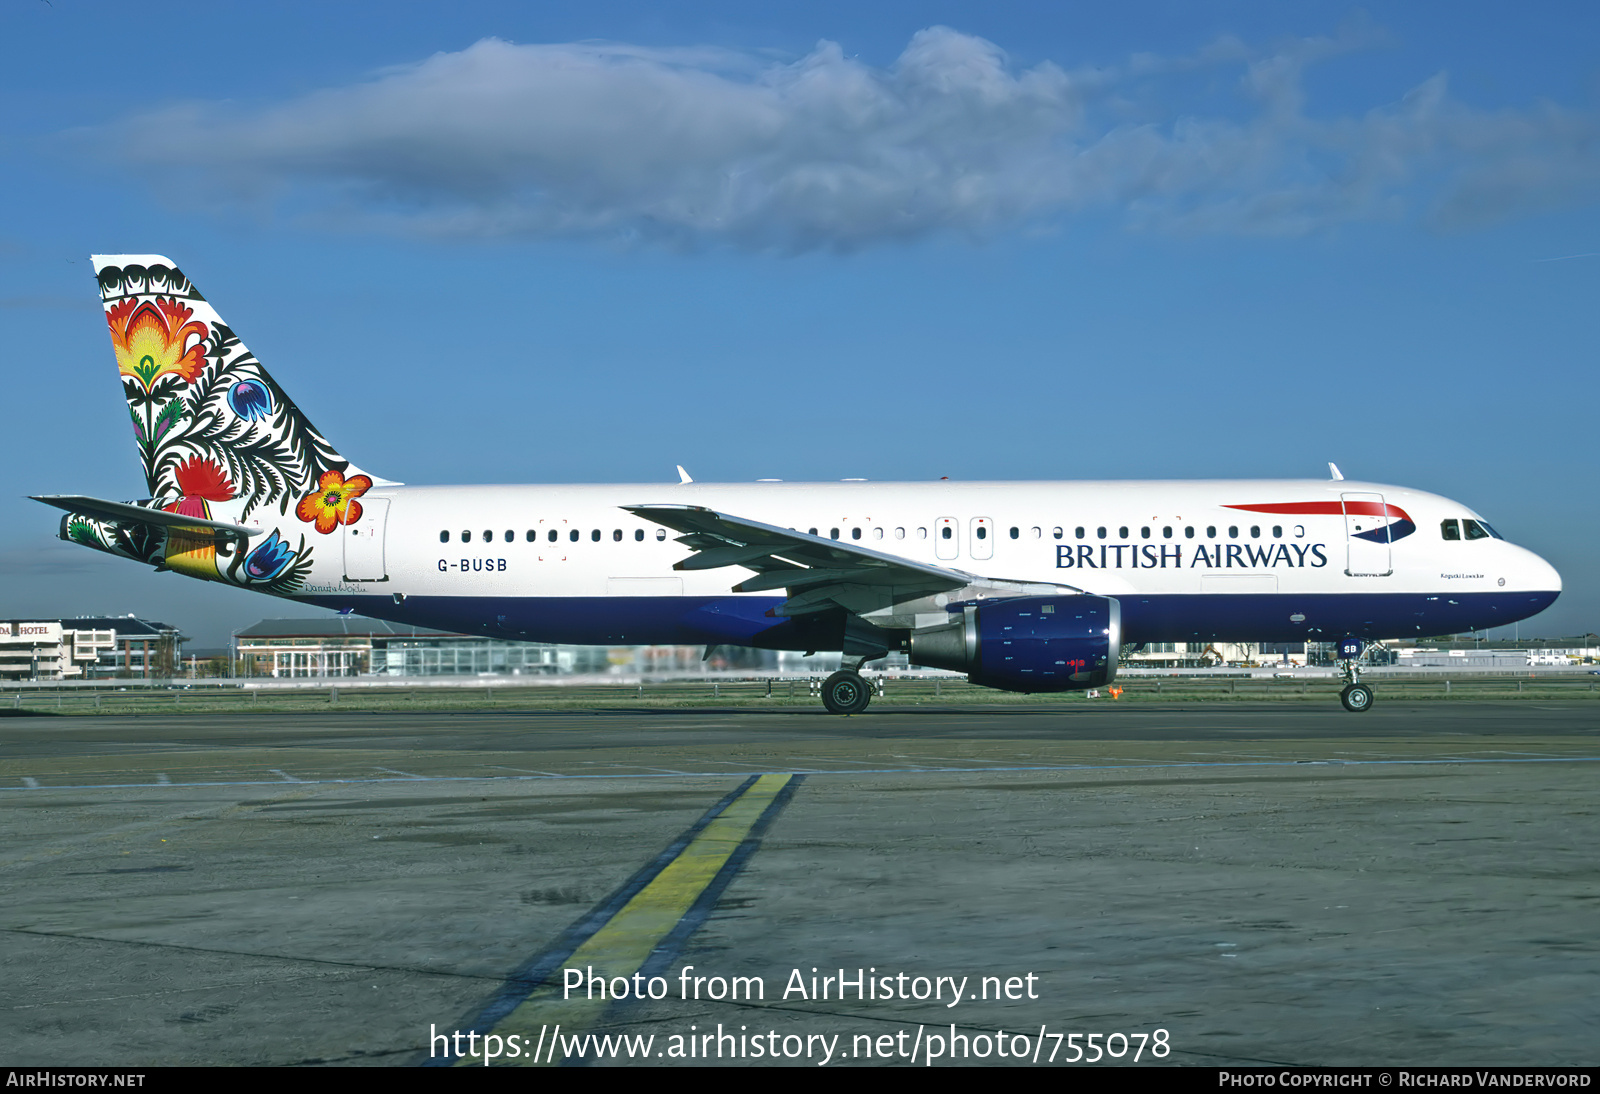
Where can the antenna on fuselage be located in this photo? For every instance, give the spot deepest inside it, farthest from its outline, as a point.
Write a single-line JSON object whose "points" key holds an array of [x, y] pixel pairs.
{"points": [[1333, 472]]}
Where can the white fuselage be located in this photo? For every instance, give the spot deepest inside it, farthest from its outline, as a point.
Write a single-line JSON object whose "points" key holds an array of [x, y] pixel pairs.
{"points": [[1344, 557]]}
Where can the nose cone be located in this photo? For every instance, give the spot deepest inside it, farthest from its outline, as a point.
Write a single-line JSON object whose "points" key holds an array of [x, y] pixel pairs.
{"points": [[1536, 579], [1535, 574]]}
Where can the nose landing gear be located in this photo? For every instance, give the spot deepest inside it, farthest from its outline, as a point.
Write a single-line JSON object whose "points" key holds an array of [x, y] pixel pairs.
{"points": [[1356, 696]]}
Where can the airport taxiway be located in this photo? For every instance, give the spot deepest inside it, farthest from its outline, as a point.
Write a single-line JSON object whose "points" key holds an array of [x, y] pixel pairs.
{"points": [[1268, 883]]}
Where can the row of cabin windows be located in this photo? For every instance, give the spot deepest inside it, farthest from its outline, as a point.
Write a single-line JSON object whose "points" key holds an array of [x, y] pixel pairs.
{"points": [[553, 535], [1450, 530], [1188, 532], [1472, 529], [877, 533]]}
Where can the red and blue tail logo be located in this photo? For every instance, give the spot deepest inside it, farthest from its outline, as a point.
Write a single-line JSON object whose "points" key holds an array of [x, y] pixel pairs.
{"points": [[1397, 523]]}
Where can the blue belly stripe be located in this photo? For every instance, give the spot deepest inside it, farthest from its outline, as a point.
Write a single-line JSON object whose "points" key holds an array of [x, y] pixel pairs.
{"points": [[742, 620]]}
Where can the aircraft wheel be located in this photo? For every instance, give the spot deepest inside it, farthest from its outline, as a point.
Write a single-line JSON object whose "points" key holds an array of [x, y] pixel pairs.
{"points": [[846, 693], [1356, 698]]}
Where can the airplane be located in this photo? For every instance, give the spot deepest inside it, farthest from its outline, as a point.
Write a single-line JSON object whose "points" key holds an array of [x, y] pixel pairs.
{"points": [[1025, 586]]}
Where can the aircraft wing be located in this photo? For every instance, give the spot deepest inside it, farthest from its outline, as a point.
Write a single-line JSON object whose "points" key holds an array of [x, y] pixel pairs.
{"points": [[121, 512], [818, 574]]}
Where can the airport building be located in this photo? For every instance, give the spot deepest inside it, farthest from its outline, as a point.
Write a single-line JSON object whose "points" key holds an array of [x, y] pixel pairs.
{"points": [[92, 648], [356, 646], [33, 649], [141, 649]]}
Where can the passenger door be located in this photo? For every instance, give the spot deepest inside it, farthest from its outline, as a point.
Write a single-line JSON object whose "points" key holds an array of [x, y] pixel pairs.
{"points": [[1366, 529], [946, 539], [363, 543]]}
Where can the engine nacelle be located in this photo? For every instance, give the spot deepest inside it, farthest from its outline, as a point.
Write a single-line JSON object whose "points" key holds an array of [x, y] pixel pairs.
{"points": [[1034, 643]]}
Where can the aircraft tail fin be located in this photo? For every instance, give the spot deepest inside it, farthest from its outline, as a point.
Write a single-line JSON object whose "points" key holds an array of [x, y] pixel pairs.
{"points": [[211, 425]]}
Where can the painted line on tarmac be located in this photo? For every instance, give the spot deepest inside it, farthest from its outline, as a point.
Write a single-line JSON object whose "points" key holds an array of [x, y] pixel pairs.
{"points": [[637, 930], [35, 785]]}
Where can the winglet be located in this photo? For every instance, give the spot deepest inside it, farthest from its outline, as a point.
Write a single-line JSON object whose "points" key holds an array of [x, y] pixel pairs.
{"points": [[683, 476], [1333, 472]]}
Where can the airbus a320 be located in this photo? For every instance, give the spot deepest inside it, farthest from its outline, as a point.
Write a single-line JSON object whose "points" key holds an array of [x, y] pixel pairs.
{"points": [[1023, 586]]}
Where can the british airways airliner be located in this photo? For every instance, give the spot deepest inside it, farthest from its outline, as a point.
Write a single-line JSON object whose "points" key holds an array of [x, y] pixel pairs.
{"points": [[1024, 586]]}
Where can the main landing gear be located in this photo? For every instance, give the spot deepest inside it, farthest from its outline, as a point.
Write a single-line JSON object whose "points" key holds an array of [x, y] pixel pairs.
{"points": [[846, 692]]}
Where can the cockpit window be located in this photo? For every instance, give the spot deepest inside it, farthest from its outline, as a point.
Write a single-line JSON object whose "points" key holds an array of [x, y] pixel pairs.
{"points": [[1450, 529], [1474, 530], [1491, 531]]}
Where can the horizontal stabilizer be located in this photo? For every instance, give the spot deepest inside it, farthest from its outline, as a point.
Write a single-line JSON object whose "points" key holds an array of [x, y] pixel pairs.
{"points": [[121, 512]]}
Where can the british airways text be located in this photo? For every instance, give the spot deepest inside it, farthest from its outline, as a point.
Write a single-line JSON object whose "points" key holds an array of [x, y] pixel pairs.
{"points": [[1223, 556]]}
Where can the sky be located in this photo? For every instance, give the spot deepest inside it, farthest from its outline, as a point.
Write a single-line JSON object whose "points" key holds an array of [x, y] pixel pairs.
{"points": [[500, 242]]}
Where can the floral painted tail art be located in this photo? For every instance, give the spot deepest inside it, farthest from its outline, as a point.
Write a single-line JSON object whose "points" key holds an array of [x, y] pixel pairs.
{"points": [[218, 439]]}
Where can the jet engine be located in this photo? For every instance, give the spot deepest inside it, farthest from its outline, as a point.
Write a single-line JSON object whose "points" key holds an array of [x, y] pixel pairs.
{"points": [[1035, 643]]}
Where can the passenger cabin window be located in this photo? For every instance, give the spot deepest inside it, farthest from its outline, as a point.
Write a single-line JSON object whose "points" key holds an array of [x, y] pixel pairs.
{"points": [[573, 536], [1144, 533], [552, 535], [466, 536], [1078, 531], [1056, 532], [1100, 531], [833, 533], [1211, 531], [638, 535], [1233, 531], [1277, 531], [1122, 533], [1255, 531], [981, 532], [661, 534], [1474, 530], [1166, 532], [922, 533], [488, 536], [899, 533], [1188, 531], [1015, 532], [595, 535], [1450, 529], [511, 537], [1038, 533], [444, 537], [855, 533], [811, 531], [616, 536], [532, 535]]}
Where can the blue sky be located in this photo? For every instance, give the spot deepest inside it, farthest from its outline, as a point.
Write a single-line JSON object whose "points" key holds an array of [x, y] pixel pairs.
{"points": [[518, 243]]}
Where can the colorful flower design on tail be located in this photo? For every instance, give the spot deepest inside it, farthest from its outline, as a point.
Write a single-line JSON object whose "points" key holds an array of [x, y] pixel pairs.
{"points": [[155, 338], [219, 439], [333, 502], [250, 400], [269, 559]]}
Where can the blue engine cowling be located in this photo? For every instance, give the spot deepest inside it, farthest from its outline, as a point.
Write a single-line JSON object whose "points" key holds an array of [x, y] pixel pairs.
{"points": [[1034, 643]]}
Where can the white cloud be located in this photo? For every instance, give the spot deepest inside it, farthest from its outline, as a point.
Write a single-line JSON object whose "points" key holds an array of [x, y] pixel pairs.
{"points": [[695, 146]]}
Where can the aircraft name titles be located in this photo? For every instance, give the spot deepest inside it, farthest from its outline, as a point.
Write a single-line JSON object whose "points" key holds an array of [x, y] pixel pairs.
{"points": [[1224, 556]]}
